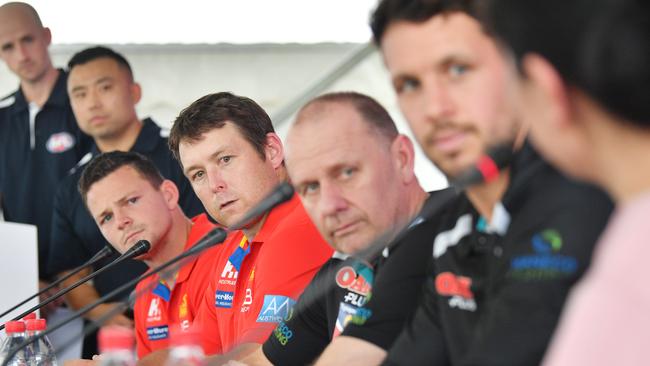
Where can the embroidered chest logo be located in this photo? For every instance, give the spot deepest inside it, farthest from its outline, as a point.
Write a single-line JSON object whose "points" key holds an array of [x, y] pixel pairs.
{"points": [[546, 262], [458, 288], [347, 278], [248, 298], [60, 142]]}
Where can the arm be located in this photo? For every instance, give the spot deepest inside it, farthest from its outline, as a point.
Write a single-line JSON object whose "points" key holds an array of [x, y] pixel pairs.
{"points": [[255, 358], [351, 351]]}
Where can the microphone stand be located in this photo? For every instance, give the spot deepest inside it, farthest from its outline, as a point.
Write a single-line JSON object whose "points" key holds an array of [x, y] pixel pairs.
{"points": [[283, 192], [105, 252], [139, 248]]}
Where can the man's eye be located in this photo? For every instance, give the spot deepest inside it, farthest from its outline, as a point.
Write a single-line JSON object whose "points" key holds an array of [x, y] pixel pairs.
{"points": [[457, 70], [406, 86], [133, 200], [105, 219], [198, 175], [348, 172], [309, 188], [225, 159]]}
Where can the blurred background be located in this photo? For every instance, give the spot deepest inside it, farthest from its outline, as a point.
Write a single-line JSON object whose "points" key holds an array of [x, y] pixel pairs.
{"points": [[280, 53]]}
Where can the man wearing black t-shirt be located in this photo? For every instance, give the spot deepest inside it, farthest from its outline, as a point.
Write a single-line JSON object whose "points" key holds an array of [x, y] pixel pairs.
{"points": [[506, 252], [354, 174]]}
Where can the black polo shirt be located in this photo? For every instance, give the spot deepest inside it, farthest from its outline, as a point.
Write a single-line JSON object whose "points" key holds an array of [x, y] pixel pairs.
{"points": [[75, 235], [495, 291], [335, 302], [34, 157]]}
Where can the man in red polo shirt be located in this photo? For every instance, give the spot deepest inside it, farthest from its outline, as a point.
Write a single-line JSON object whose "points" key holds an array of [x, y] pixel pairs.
{"points": [[233, 159], [130, 201]]}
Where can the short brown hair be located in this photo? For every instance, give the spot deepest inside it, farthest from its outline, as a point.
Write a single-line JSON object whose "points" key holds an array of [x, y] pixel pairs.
{"points": [[213, 111], [106, 163]]}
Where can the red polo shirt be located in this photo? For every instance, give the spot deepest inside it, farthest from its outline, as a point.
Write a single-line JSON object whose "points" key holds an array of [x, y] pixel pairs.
{"points": [[256, 283], [162, 307]]}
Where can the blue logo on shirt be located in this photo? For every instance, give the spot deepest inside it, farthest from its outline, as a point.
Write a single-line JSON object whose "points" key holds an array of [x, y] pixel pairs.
{"points": [[546, 263], [276, 308], [223, 299], [157, 333]]}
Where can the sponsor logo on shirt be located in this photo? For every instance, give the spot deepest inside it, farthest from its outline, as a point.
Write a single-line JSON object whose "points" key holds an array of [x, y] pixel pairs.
{"points": [[59, 142], [182, 309], [157, 333], [153, 315], [347, 278], [223, 299], [545, 262], [458, 288], [283, 333], [275, 309], [229, 275], [349, 314]]}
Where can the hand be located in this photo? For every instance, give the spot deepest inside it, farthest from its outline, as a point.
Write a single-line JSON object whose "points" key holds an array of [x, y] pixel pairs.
{"points": [[234, 363], [51, 307]]}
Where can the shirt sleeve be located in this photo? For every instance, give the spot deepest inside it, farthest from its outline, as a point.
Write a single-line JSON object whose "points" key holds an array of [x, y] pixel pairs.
{"points": [[66, 247], [301, 338], [397, 288]]}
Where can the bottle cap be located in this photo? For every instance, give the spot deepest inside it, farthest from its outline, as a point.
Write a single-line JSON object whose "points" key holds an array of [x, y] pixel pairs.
{"points": [[115, 338], [15, 326], [36, 324], [30, 316]]}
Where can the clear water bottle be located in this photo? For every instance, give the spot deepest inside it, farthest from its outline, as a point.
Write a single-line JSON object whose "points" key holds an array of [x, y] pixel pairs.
{"points": [[41, 352], [116, 346], [15, 336], [186, 348]]}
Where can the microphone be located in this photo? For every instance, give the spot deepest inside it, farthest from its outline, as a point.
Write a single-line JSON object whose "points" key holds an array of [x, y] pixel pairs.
{"points": [[104, 253], [213, 237], [487, 168], [137, 249], [281, 193]]}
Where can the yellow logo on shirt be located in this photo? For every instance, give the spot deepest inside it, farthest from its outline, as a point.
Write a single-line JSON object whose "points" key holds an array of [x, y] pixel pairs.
{"points": [[182, 309]]}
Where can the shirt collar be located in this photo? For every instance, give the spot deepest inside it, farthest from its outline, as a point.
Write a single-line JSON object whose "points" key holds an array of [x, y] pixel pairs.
{"points": [[58, 97]]}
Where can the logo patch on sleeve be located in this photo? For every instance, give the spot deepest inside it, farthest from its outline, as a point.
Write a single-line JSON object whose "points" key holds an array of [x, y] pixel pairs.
{"points": [[223, 299], [276, 308], [157, 333]]}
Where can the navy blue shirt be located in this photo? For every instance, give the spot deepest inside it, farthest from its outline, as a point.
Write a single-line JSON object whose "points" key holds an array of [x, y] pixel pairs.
{"points": [[75, 235], [35, 157]]}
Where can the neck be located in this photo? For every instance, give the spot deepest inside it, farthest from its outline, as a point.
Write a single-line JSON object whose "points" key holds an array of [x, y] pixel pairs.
{"points": [[124, 141], [485, 196], [39, 91], [252, 230], [173, 243], [622, 155]]}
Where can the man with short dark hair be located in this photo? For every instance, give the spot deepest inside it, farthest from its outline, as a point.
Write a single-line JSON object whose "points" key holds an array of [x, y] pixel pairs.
{"points": [[39, 138], [233, 159], [129, 200], [508, 250], [103, 96]]}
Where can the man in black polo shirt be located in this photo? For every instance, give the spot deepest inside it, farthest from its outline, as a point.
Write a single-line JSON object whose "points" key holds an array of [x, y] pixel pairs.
{"points": [[103, 95], [507, 251], [354, 174], [39, 138]]}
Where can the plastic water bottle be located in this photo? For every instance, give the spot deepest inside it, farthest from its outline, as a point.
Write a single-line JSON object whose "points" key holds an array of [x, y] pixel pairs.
{"points": [[41, 352], [15, 336], [116, 346], [186, 348]]}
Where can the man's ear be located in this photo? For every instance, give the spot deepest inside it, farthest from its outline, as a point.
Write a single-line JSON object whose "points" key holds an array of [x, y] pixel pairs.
{"points": [[548, 84], [170, 193], [274, 150], [136, 93], [47, 34], [404, 157]]}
